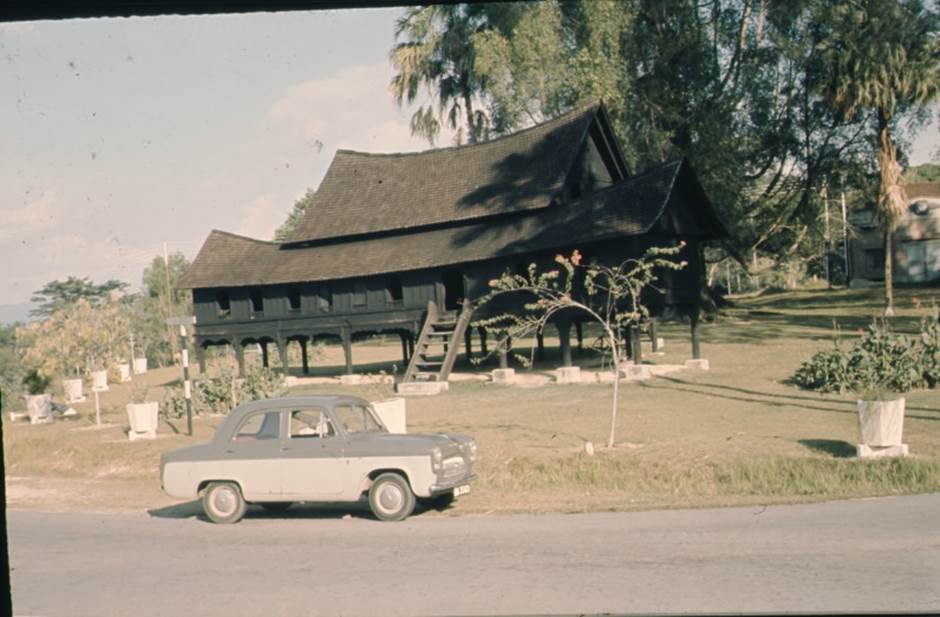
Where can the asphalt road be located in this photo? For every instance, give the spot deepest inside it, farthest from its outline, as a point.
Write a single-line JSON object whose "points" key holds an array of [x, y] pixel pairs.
{"points": [[865, 555]]}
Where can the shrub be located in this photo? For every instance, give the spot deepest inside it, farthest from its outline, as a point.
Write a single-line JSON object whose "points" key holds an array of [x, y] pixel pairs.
{"points": [[221, 393], [879, 363]]}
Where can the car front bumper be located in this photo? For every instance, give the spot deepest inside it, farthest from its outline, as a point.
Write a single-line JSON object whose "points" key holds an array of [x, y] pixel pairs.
{"points": [[450, 484]]}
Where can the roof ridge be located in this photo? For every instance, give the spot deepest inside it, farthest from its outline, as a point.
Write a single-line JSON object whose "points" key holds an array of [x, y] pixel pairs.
{"points": [[241, 237], [559, 119]]}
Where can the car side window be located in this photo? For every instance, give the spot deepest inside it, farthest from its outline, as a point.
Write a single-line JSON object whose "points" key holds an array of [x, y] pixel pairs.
{"points": [[258, 426], [310, 422], [356, 419]]}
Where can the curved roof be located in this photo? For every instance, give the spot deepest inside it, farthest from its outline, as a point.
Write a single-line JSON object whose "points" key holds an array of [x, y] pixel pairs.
{"points": [[365, 193], [630, 207]]}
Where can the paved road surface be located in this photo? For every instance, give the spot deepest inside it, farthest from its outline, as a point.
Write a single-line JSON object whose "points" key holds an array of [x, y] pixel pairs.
{"points": [[868, 555]]}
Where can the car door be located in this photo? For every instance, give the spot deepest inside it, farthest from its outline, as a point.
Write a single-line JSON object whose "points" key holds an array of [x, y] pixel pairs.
{"points": [[313, 461], [251, 456]]}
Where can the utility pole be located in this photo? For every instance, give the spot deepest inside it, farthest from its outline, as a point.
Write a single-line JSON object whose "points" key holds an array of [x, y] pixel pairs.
{"points": [[169, 301], [825, 198], [184, 362], [845, 240]]}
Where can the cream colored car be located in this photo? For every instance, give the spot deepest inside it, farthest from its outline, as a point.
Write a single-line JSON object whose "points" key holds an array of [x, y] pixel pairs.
{"points": [[276, 452]]}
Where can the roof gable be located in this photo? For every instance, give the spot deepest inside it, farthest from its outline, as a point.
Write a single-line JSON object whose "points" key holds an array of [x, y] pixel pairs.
{"points": [[371, 193]]}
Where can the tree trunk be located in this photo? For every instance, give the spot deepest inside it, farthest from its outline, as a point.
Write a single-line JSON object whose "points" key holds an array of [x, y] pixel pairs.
{"points": [[891, 200], [889, 280]]}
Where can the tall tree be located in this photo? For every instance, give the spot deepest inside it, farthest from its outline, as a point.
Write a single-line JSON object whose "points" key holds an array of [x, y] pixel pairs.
{"points": [[293, 219], [57, 294], [884, 59], [436, 51]]}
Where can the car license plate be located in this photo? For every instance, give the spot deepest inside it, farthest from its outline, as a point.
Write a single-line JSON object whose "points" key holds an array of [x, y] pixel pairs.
{"points": [[461, 490]]}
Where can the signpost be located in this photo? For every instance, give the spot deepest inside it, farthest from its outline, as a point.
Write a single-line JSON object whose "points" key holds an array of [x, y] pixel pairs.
{"points": [[182, 322]]}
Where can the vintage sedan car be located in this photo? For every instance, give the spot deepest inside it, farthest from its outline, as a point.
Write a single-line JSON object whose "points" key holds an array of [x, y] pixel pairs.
{"points": [[317, 449]]}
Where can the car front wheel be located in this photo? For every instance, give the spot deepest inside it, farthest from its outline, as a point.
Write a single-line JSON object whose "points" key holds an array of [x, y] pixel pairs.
{"points": [[391, 498], [223, 503]]}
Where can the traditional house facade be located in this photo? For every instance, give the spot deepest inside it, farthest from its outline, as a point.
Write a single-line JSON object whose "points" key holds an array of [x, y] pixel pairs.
{"points": [[915, 241], [395, 243]]}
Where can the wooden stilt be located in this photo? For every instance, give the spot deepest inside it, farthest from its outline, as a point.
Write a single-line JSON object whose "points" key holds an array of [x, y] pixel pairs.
{"points": [[693, 323], [482, 333], [564, 333], [347, 350], [579, 333], [539, 345], [240, 358], [304, 360], [654, 334], [264, 353], [282, 345]]}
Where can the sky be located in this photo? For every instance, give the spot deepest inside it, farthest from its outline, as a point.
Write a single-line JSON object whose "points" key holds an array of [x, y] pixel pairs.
{"points": [[120, 135]]}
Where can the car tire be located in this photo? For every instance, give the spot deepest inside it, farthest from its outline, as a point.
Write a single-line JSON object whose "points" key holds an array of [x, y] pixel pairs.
{"points": [[276, 507], [390, 498], [223, 503]]}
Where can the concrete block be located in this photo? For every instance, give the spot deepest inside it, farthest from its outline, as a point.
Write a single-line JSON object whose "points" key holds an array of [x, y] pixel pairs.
{"points": [[866, 451], [392, 413], [635, 372], [421, 388], [290, 381], [568, 374], [135, 436], [504, 375], [700, 364], [350, 380], [660, 343]]}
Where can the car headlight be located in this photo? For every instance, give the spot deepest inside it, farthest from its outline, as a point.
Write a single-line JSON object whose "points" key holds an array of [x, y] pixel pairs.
{"points": [[437, 459], [473, 451]]}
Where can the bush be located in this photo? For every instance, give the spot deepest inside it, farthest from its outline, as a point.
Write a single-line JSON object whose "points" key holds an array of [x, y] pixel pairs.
{"points": [[879, 363], [221, 393]]}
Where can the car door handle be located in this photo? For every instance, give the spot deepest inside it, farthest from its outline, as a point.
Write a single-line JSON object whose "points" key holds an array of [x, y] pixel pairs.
{"points": [[285, 449]]}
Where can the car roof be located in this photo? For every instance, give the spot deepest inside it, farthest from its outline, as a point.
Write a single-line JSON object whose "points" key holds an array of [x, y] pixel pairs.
{"points": [[324, 400]]}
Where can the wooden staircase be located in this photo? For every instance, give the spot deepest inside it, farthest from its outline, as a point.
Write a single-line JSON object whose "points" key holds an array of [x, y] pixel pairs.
{"points": [[437, 345]]}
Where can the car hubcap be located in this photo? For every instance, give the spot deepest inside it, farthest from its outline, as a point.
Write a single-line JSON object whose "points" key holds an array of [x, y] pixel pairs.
{"points": [[390, 498], [224, 501]]}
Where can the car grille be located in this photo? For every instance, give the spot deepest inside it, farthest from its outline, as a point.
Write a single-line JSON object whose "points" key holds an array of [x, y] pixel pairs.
{"points": [[454, 467]]}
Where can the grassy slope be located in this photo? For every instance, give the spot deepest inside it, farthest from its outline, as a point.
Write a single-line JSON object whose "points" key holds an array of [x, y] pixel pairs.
{"points": [[732, 435]]}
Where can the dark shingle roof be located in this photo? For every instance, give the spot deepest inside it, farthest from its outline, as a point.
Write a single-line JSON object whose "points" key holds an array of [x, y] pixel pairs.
{"points": [[630, 207], [365, 193]]}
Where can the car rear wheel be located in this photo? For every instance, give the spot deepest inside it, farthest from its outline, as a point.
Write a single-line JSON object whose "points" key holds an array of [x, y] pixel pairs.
{"points": [[223, 503], [391, 498]]}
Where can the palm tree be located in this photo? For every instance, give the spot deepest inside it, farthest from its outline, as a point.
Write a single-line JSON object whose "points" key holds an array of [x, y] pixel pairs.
{"points": [[437, 52], [883, 57]]}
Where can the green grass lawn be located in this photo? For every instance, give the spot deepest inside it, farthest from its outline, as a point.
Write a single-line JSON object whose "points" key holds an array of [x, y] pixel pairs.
{"points": [[736, 434]]}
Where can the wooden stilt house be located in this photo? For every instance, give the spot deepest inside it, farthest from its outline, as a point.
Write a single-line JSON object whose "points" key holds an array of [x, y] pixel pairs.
{"points": [[394, 243]]}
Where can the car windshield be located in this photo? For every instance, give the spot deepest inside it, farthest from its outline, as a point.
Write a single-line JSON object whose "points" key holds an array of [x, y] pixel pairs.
{"points": [[357, 419]]}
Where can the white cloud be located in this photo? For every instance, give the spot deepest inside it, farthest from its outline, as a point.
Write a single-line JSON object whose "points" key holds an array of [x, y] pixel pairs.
{"points": [[261, 216], [353, 110], [45, 212]]}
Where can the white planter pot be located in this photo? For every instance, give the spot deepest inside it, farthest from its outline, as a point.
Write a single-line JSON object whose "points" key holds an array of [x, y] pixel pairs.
{"points": [[143, 419], [74, 390], [881, 422], [125, 371], [39, 408], [392, 413], [140, 366], [99, 380]]}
